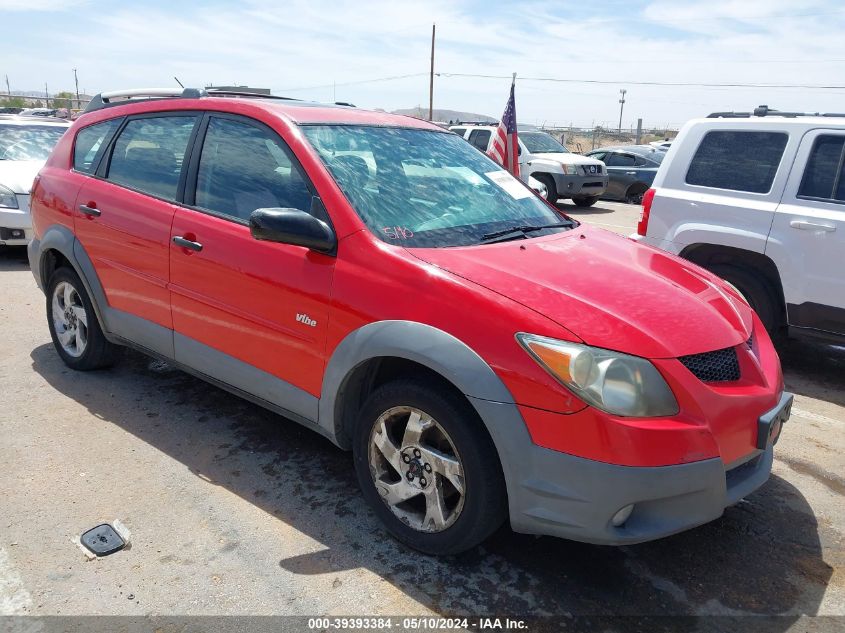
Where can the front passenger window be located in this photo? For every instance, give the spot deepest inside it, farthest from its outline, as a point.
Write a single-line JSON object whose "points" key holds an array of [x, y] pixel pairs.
{"points": [[243, 168]]}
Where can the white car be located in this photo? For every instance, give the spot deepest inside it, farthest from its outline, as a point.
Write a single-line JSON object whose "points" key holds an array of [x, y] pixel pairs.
{"points": [[759, 199], [25, 143], [564, 174]]}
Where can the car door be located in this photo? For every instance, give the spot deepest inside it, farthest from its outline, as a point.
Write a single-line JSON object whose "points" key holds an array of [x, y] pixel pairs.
{"points": [[621, 171], [807, 239], [249, 313], [524, 158], [123, 216]]}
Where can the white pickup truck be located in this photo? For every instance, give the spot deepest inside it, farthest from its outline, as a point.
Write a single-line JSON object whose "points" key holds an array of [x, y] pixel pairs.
{"points": [[565, 175]]}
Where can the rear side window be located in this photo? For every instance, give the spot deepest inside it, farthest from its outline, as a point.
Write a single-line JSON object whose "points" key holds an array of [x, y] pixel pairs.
{"points": [[739, 161], [824, 176], [460, 131], [620, 160], [149, 152], [88, 144], [243, 168], [480, 138]]}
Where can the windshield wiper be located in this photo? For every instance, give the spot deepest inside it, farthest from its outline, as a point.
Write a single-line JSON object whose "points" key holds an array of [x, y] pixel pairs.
{"points": [[519, 231]]}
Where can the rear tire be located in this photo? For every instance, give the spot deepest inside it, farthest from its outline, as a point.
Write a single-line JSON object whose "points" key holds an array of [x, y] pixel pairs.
{"points": [[634, 194], [585, 201], [549, 182], [438, 488], [759, 294], [73, 324]]}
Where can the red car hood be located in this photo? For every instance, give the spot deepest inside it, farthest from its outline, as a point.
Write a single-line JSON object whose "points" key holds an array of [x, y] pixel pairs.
{"points": [[607, 290]]}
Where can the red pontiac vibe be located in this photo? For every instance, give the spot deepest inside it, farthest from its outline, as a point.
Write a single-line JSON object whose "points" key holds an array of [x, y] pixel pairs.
{"points": [[380, 281]]}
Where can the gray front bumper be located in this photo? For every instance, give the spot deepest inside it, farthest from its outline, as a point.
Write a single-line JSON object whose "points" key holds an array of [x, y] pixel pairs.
{"points": [[571, 497], [568, 186], [18, 220]]}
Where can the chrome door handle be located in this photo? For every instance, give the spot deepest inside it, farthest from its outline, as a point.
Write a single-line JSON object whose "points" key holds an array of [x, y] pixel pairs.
{"points": [[630, 173], [92, 211], [181, 241], [812, 226]]}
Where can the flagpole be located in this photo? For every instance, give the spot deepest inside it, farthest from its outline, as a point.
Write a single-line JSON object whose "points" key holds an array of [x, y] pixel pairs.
{"points": [[431, 79]]}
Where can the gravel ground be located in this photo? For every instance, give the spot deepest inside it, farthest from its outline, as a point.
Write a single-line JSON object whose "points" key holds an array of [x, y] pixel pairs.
{"points": [[233, 510]]}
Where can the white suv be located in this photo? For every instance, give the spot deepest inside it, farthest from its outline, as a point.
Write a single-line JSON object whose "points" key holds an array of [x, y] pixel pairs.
{"points": [[759, 199], [564, 174]]}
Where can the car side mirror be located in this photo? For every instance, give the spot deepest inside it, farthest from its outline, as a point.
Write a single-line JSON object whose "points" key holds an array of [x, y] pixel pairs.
{"points": [[519, 150], [292, 226]]}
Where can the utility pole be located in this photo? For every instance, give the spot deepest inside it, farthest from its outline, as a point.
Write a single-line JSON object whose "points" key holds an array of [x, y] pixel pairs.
{"points": [[46, 96], [621, 107], [8, 89], [431, 80], [76, 81]]}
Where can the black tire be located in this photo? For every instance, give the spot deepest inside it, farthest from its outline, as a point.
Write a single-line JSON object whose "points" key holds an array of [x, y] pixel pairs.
{"points": [[98, 352], [549, 182], [485, 500], [757, 291], [585, 201], [634, 194]]}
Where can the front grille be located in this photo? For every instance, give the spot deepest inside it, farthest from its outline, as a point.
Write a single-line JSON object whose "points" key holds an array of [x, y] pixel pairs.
{"points": [[719, 366]]}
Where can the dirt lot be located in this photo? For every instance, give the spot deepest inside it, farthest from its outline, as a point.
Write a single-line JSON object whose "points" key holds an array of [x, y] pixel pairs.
{"points": [[233, 510]]}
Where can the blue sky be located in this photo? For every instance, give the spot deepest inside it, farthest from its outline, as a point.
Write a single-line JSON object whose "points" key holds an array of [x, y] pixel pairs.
{"points": [[313, 49]]}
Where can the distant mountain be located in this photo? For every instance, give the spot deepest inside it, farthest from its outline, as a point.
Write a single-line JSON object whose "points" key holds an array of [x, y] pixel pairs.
{"points": [[446, 116]]}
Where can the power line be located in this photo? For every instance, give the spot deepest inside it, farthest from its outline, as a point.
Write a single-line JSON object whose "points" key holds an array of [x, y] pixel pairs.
{"points": [[649, 83], [356, 83]]}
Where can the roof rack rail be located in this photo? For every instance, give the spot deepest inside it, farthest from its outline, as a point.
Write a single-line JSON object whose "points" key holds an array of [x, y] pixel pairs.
{"points": [[214, 92], [116, 97], [764, 110], [475, 123]]}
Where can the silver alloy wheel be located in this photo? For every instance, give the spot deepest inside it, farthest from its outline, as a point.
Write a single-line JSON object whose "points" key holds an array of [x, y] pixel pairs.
{"points": [[416, 469], [70, 319]]}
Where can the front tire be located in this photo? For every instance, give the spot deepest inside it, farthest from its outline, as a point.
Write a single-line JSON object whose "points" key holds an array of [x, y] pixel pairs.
{"points": [[756, 291], [585, 201], [73, 324], [551, 189], [427, 467]]}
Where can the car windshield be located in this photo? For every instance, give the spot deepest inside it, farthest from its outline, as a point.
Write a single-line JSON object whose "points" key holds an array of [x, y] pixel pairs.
{"points": [[539, 142], [28, 142], [427, 188]]}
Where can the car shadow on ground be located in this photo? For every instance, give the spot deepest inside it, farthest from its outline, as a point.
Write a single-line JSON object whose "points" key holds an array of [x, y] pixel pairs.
{"points": [[763, 557], [13, 258], [567, 206], [815, 370]]}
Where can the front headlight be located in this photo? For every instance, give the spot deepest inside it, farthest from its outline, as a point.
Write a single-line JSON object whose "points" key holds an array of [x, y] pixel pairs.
{"points": [[570, 170], [613, 382], [8, 199]]}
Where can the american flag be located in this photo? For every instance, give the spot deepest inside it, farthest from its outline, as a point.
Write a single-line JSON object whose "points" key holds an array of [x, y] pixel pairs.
{"points": [[504, 149]]}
